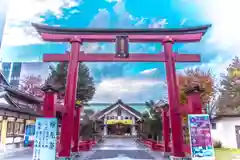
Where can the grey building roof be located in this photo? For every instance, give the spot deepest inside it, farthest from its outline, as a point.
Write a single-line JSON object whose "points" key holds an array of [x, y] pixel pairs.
{"points": [[119, 102]]}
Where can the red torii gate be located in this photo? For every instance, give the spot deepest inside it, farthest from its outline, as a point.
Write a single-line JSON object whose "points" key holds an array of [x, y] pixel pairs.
{"points": [[77, 36]]}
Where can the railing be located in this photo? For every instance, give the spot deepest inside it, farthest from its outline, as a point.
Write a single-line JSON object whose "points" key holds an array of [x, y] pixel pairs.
{"points": [[159, 145]]}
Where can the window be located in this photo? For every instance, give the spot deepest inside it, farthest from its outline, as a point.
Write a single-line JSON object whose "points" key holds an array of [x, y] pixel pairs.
{"points": [[10, 128], [22, 128], [126, 117], [19, 128], [214, 126], [16, 128], [131, 118]]}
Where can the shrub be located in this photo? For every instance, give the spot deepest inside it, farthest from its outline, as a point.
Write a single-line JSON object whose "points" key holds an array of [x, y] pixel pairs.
{"points": [[217, 144]]}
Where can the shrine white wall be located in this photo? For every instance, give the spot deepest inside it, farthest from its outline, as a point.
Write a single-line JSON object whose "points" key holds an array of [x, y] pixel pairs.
{"points": [[225, 131]]}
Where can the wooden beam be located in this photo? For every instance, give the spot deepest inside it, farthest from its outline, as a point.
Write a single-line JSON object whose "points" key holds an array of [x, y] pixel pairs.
{"points": [[90, 57], [194, 37], [56, 57], [110, 57], [187, 57]]}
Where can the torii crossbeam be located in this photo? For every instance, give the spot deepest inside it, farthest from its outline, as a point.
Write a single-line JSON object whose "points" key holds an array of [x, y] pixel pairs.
{"points": [[76, 37]]}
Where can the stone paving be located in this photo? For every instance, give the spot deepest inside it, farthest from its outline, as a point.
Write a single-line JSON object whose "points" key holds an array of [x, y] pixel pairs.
{"points": [[122, 148], [109, 149]]}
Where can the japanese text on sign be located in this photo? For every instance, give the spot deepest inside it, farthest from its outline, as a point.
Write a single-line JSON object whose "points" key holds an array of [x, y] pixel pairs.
{"points": [[200, 137], [45, 139]]}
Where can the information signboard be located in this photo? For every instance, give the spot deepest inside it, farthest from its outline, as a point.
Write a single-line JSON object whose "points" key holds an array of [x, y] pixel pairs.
{"points": [[200, 137], [115, 121], [45, 139]]}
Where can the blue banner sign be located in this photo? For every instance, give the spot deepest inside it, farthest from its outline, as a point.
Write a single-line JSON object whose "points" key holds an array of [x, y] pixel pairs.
{"points": [[200, 137], [45, 139], [29, 133]]}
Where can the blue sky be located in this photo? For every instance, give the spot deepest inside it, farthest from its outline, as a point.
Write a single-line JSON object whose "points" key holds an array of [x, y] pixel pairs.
{"points": [[133, 82]]}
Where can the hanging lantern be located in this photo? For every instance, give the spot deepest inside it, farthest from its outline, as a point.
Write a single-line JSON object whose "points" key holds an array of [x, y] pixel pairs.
{"points": [[122, 47]]}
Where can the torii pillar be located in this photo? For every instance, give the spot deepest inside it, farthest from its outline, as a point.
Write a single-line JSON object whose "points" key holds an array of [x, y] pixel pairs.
{"points": [[76, 130], [76, 36], [166, 129], [174, 102]]}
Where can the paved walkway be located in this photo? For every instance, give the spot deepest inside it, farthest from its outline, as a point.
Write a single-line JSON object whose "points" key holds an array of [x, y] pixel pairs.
{"points": [[19, 153], [109, 149], [122, 149]]}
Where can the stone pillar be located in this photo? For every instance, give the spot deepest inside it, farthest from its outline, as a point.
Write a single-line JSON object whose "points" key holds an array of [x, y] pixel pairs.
{"points": [[49, 109], [194, 100], [133, 127], [105, 131]]}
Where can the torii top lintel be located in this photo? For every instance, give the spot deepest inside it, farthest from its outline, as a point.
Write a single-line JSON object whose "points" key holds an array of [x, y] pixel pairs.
{"points": [[59, 34]]}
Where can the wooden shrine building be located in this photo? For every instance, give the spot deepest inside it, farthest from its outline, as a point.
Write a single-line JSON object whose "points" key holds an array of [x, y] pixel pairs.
{"points": [[16, 110], [118, 119]]}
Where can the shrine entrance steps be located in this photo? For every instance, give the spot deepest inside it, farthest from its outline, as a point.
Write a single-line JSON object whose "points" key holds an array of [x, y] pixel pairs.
{"points": [[126, 148]]}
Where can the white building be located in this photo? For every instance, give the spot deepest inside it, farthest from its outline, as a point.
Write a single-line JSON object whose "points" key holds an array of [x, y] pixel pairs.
{"points": [[226, 129], [119, 119]]}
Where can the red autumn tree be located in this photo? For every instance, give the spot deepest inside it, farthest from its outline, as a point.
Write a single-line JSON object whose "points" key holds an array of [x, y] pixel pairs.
{"points": [[193, 77], [32, 85]]}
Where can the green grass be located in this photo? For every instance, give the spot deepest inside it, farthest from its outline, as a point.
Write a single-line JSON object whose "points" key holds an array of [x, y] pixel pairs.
{"points": [[227, 154]]}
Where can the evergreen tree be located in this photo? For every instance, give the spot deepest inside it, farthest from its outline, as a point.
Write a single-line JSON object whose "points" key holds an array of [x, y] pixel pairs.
{"points": [[229, 99], [152, 121], [85, 84], [87, 124]]}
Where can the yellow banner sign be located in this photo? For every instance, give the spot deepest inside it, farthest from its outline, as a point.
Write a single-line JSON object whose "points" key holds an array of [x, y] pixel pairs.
{"points": [[115, 121]]}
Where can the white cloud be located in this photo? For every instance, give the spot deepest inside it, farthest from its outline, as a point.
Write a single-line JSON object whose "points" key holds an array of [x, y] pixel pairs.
{"points": [[3, 7], [20, 14], [223, 38], [222, 14], [111, 1], [183, 21], [158, 23], [101, 19], [149, 71], [128, 89], [74, 11]]}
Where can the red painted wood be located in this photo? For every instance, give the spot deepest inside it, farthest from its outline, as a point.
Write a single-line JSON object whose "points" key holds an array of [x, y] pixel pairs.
{"points": [[49, 109], [194, 103], [194, 37], [176, 123], [186, 148], [187, 57], [170, 59], [141, 57], [166, 130], [76, 129], [56, 57], [69, 101]]}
